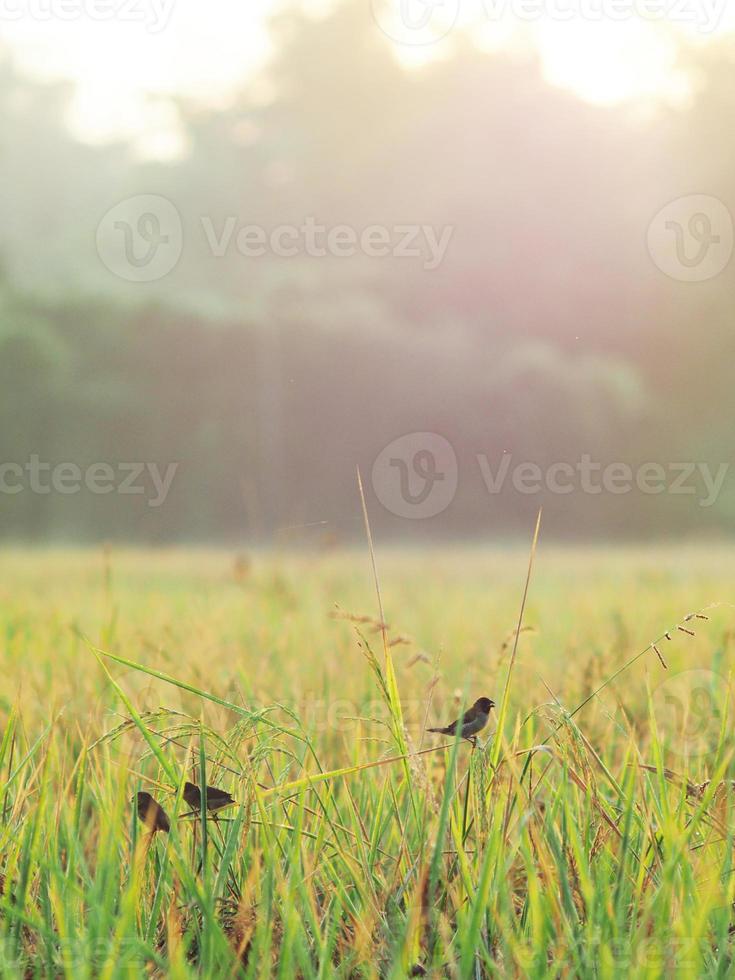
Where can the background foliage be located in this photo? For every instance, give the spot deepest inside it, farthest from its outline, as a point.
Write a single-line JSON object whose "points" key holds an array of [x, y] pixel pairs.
{"points": [[547, 330]]}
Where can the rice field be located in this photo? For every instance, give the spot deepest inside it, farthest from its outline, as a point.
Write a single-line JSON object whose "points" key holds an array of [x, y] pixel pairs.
{"points": [[589, 834]]}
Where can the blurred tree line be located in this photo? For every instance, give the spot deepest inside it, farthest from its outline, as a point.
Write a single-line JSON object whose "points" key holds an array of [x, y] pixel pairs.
{"points": [[547, 331]]}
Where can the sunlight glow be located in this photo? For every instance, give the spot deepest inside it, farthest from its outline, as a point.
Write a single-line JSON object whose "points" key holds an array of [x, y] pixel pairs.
{"points": [[125, 72]]}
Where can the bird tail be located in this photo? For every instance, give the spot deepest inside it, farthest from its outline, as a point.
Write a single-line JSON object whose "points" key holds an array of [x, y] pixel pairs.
{"points": [[439, 731]]}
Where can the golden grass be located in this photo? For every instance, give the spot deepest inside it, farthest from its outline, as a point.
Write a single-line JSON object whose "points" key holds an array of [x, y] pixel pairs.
{"points": [[357, 849]]}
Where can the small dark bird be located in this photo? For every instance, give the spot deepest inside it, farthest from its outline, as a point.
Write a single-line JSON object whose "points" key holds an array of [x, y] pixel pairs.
{"points": [[217, 799], [152, 814], [471, 722]]}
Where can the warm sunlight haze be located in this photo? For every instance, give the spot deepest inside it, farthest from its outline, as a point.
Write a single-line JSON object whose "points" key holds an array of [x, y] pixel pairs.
{"points": [[367, 489]]}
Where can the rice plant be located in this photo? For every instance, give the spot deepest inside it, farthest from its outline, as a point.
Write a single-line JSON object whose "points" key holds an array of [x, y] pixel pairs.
{"points": [[588, 834]]}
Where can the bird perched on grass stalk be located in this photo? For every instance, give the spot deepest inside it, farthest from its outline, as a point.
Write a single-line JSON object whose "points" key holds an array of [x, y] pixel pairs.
{"points": [[471, 722], [217, 799], [152, 813]]}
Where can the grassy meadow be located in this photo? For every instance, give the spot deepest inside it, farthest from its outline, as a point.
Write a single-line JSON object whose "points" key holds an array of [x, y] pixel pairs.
{"points": [[590, 843]]}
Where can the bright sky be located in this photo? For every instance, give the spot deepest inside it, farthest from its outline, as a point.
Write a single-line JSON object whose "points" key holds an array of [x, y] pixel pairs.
{"points": [[127, 56]]}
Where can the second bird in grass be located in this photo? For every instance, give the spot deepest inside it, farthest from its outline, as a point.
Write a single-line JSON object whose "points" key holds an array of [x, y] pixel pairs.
{"points": [[152, 813], [471, 722], [216, 798]]}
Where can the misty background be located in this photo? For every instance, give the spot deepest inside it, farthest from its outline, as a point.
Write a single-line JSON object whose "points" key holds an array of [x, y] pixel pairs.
{"points": [[546, 331]]}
